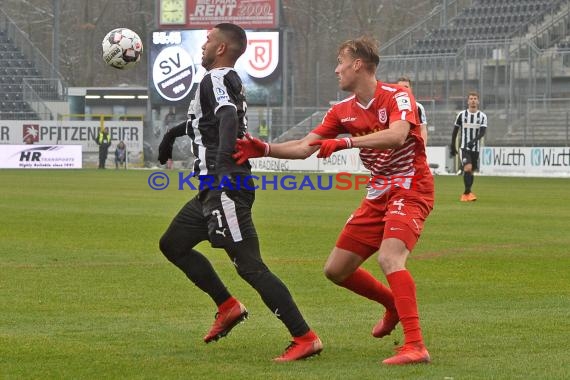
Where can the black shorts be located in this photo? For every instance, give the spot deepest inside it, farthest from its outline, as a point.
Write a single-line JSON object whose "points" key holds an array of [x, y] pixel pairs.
{"points": [[222, 217], [470, 157]]}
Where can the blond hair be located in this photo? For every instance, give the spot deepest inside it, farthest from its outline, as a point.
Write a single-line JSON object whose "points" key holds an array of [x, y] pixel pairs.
{"points": [[364, 48]]}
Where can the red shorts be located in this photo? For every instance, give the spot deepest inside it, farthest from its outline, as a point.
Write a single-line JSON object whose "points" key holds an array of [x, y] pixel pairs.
{"points": [[396, 214]]}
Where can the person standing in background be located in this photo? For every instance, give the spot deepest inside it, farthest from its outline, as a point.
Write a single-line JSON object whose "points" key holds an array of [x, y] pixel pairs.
{"points": [[104, 141], [472, 123], [422, 116]]}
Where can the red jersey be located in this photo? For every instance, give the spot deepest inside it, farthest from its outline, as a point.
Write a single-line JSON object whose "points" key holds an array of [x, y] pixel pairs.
{"points": [[390, 103]]}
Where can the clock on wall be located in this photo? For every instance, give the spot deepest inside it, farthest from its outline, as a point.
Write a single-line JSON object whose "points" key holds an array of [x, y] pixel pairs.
{"points": [[172, 12]]}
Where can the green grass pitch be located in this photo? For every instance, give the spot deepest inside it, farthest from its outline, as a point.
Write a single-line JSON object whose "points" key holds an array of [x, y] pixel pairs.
{"points": [[86, 294]]}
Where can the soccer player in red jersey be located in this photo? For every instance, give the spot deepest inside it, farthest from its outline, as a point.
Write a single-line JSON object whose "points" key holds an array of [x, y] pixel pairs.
{"points": [[381, 120]]}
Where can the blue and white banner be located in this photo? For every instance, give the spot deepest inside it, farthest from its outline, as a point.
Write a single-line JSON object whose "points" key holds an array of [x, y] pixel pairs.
{"points": [[524, 161]]}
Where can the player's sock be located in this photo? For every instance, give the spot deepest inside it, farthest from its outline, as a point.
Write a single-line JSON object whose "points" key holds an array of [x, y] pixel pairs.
{"points": [[468, 181], [404, 291], [363, 283], [179, 250], [200, 271], [272, 290]]}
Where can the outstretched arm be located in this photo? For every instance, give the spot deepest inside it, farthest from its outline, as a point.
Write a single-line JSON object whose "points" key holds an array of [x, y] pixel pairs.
{"points": [[393, 137], [295, 149], [251, 147]]}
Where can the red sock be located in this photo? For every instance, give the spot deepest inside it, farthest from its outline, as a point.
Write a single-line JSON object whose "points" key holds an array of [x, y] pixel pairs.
{"points": [[227, 304], [363, 283], [404, 290]]}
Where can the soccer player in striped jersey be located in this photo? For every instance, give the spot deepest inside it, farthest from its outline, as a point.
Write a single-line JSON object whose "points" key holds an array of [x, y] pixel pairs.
{"points": [[472, 123], [422, 116], [221, 211], [381, 120]]}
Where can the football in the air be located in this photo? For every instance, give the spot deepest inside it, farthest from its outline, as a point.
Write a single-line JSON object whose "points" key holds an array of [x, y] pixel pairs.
{"points": [[122, 48]]}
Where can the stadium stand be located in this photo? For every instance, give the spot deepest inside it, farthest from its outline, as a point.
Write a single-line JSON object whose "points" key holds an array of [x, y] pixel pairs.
{"points": [[484, 20], [29, 84], [14, 67], [516, 53], [539, 127]]}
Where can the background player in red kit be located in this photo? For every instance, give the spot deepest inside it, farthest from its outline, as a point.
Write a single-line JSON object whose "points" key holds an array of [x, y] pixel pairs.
{"points": [[381, 120]]}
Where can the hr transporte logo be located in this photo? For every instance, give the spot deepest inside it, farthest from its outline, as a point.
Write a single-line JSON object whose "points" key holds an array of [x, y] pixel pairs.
{"points": [[35, 153], [41, 156]]}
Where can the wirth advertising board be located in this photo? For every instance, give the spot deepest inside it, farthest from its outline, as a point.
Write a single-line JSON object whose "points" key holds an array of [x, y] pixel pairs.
{"points": [[40, 156], [176, 67], [524, 161]]}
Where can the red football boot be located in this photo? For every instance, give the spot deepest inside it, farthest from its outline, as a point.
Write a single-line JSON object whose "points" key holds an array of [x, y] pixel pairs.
{"points": [[301, 348], [226, 321]]}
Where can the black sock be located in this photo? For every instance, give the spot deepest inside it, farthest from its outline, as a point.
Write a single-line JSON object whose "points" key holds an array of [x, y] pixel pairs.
{"points": [[178, 250], [201, 272], [468, 179], [247, 259]]}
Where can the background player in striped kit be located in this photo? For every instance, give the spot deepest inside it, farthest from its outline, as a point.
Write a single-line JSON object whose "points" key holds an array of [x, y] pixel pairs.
{"points": [[472, 123], [422, 116]]}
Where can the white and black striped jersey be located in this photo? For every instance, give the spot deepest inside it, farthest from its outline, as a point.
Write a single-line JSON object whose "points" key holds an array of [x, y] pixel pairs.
{"points": [[421, 113], [470, 123], [220, 87]]}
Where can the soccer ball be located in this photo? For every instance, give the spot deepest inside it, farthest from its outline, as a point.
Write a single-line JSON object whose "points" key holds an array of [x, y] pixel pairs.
{"points": [[122, 48]]}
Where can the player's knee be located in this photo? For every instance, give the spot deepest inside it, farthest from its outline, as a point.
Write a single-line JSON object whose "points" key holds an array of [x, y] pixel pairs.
{"points": [[334, 274], [171, 248], [390, 263], [253, 276], [385, 263], [165, 246]]}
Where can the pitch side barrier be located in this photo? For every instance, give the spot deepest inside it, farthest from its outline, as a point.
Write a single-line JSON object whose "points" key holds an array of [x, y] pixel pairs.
{"points": [[76, 132], [342, 161], [493, 161], [525, 161]]}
